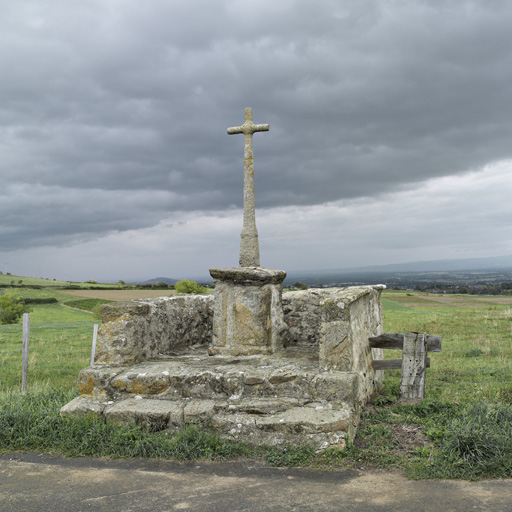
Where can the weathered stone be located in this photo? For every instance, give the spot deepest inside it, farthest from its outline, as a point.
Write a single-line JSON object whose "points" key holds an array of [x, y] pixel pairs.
{"points": [[248, 317], [81, 406], [199, 411], [336, 387], [148, 328], [335, 351], [249, 247], [299, 425], [326, 367], [155, 415], [253, 381], [94, 382], [306, 420], [263, 405]]}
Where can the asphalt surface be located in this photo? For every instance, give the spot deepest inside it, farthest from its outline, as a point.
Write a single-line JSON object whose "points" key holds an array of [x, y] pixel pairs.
{"points": [[42, 483]]}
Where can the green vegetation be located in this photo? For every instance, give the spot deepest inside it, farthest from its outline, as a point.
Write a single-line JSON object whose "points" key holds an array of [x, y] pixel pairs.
{"points": [[12, 307], [60, 346], [90, 305], [189, 287], [463, 429], [7, 280], [33, 422]]}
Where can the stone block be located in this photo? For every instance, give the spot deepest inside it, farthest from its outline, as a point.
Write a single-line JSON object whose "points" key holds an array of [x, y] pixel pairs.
{"points": [[306, 420], [199, 411], [248, 316], [94, 382], [80, 406], [335, 387], [155, 415]]}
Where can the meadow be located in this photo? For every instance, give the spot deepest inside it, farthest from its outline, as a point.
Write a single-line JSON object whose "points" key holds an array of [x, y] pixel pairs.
{"points": [[463, 428], [476, 332]]}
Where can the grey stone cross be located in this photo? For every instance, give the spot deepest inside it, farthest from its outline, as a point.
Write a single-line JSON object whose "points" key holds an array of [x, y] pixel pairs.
{"points": [[249, 246]]}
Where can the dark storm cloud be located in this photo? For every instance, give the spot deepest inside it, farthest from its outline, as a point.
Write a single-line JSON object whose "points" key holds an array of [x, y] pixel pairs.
{"points": [[113, 114]]}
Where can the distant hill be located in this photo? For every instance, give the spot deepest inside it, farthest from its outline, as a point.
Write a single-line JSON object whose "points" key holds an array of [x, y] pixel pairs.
{"points": [[166, 280], [498, 262], [474, 271]]}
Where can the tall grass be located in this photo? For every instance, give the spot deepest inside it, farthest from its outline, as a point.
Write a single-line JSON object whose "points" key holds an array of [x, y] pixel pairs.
{"points": [[32, 422]]}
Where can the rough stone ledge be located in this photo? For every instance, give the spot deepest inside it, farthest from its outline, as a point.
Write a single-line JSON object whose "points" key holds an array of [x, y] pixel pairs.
{"points": [[270, 422], [220, 377], [248, 275]]}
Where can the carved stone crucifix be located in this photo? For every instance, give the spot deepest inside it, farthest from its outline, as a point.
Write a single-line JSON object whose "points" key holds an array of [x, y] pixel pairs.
{"points": [[249, 246]]}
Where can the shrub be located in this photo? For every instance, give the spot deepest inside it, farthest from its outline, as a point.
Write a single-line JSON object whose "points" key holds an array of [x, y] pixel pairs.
{"points": [[39, 300], [12, 307], [186, 286]]}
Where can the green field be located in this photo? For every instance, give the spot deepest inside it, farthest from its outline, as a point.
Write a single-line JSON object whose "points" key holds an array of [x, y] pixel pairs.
{"points": [[475, 362], [60, 345], [23, 281], [476, 357]]}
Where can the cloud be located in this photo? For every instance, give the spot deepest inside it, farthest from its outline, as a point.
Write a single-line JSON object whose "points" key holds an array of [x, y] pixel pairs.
{"points": [[448, 217], [113, 114]]}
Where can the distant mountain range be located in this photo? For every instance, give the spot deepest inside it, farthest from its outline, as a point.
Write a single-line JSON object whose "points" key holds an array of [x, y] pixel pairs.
{"points": [[497, 262], [463, 271], [166, 280], [360, 274]]}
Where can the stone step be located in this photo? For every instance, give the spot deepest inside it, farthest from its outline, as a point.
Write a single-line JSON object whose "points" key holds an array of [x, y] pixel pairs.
{"points": [[261, 421], [220, 377]]}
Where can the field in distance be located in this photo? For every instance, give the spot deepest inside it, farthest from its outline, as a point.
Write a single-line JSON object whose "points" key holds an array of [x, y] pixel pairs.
{"points": [[119, 295]]}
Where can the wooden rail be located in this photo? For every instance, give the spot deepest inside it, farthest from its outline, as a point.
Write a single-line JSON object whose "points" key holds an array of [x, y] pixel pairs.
{"points": [[414, 362]]}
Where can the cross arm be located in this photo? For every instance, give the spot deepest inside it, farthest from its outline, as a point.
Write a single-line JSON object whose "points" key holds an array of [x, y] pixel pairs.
{"points": [[260, 128], [249, 128], [235, 129]]}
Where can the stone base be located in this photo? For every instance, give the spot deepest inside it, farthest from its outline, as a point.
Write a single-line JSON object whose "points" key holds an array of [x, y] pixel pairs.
{"points": [[248, 313], [263, 400]]}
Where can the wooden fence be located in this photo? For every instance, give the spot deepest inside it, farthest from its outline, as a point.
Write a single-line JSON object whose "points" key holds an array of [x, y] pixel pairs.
{"points": [[414, 362]]}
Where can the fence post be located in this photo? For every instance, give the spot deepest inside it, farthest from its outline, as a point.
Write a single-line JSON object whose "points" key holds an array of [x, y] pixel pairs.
{"points": [[24, 358], [94, 338], [414, 362]]}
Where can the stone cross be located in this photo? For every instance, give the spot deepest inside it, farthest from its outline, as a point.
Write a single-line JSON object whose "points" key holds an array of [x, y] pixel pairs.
{"points": [[249, 247]]}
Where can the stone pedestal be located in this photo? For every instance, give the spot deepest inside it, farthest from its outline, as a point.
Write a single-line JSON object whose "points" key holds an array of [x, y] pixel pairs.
{"points": [[248, 313]]}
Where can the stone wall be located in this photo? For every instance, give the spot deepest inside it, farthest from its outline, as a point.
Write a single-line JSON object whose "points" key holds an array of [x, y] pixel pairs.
{"points": [[141, 330], [335, 321], [339, 322]]}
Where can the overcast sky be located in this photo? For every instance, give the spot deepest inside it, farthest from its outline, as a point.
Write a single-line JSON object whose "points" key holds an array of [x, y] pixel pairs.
{"points": [[390, 133]]}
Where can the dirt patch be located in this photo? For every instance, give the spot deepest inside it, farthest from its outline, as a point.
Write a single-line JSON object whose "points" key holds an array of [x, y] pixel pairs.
{"points": [[404, 438], [119, 295]]}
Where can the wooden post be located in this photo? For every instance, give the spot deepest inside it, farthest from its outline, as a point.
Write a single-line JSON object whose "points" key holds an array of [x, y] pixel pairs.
{"points": [[414, 362], [94, 338], [24, 358]]}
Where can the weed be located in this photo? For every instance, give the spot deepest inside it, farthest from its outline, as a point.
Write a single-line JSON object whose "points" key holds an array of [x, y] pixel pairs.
{"points": [[473, 352], [290, 456]]}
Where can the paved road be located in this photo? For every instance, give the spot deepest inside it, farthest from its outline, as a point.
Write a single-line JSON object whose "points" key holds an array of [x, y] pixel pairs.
{"points": [[42, 483]]}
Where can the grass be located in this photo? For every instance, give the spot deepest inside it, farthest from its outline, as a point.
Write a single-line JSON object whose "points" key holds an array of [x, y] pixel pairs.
{"points": [[476, 341], [463, 429], [23, 281], [60, 346], [32, 422]]}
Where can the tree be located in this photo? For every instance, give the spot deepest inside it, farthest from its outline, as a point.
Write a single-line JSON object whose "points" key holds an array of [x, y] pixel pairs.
{"points": [[186, 286], [12, 307], [300, 286]]}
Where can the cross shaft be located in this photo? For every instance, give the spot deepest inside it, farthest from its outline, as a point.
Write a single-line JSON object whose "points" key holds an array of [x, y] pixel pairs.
{"points": [[249, 245]]}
